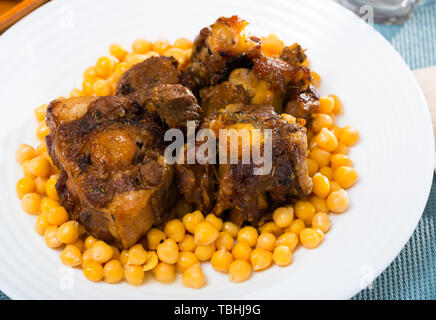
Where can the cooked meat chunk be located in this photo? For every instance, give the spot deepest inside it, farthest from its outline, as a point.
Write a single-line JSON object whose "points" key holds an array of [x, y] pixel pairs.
{"points": [[294, 55], [303, 104], [114, 178], [176, 105], [240, 190], [217, 50], [216, 97]]}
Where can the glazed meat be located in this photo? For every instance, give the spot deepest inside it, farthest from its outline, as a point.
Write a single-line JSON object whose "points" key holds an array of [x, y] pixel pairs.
{"points": [[114, 178], [153, 84], [216, 97], [303, 104], [245, 195], [217, 50]]}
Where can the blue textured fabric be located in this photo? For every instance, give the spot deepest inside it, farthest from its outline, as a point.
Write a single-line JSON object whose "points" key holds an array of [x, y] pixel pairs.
{"points": [[412, 275]]}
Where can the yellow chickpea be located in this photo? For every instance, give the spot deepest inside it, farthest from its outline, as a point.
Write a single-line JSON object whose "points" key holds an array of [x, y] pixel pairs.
{"points": [[124, 256], [241, 251], [183, 43], [345, 176], [191, 220], [71, 256], [57, 215], [42, 131], [311, 237], [334, 186], [25, 185], [321, 185], [224, 240], [321, 221], [296, 226], [41, 224], [68, 232], [187, 244], [31, 203], [239, 271], [186, 259], [152, 261], [101, 252], [322, 157], [141, 46], [193, 277], [86, 256], [161, 45], [90, 241], [266, 241], [231, 228], [154, 238], [349, 135], [282, 255], [217, 222], [327, 172], [116, 253], [117, 51], [326, 140], [271, 227], [272, 45], [339, 160], [283, 216], [221, 260], [24, 153], [319, 203], [337, 201], [175, 230], [93, 270], [326, 104], [304, 210], [102, 88], [168, 251], [342, 148], [79, 244], [316, 79], [50, 237], [320, 121], [40, 166], [288, 239], [312, 167], [337, 106], [40, 185], [248, 235], [137, 255], [103, 67], [164, 272], [113, 271], [260, 259], [134, 274], [205, 233], [205, 252]]}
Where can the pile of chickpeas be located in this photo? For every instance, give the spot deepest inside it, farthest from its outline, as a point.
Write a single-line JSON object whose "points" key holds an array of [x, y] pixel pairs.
{"points": [[182, 244]]}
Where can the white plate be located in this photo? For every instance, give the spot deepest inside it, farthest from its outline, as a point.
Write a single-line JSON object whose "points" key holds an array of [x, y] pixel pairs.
{"points": [[43, 56]]}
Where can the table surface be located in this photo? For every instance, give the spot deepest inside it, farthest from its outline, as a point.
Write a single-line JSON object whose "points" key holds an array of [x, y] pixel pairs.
{"points": [[412, 275]]}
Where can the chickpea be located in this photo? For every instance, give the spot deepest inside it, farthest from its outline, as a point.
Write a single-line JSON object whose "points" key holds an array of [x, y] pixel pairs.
{"points": [[321, 185], [327, 172], [90, 241], [41, 224], [183, 43], [224, 240], [282, 255], [193, 277], [217, 222], [283, 216], [168, 251], [86, 256], [248, 235], [349, 135], [288, 239], [312, 167], [271, 227], [241, 251], [326, 140], [40, 183], [152, 261], [118, 52], [221, 260], [113, 271], [71, 256], [345, 176], [161, 45], [326, 104], [68, 232], [191, 220], [296, 226], [79, 244], [124, 257], [321, 221], [186, 259], [134, 274], [337, 107], [311, 237], [334, 186], [260, 259], [304, 210], [25, 185], [319, 203], [164, 272], [239, 271], [187, 244], [39, 166], [342, 149], [154, 238], [175, 230], [141, 46], [103, 67], [137, 255], [205, 233], [101, 252], [57, 215], [339, 160], [320, 121], [50, 237], [93, 270], [322, 157], [31, 203], [231, 228], [266, 241], [337, 201], [24, 153], [205, 252]]}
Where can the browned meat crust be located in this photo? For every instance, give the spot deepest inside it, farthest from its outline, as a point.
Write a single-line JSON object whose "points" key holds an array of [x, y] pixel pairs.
{"points": [[303, 104], [216, 97], [114, 179]]}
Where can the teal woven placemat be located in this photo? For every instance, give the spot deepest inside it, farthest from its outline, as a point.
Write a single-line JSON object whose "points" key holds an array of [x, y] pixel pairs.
{"points": [[412, 275]]}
